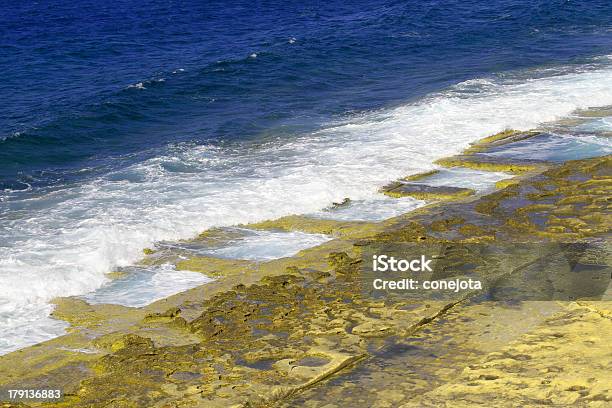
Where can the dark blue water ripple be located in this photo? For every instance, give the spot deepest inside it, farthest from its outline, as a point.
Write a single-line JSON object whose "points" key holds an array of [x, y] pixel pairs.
{"points": [[94, 85]]}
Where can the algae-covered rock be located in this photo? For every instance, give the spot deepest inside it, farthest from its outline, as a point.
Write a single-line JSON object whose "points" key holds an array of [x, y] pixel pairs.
{"points": [[499, 139], [343, 229], [420, 176], [343, 204], [425, 192], [215, 267], [477, 162]]}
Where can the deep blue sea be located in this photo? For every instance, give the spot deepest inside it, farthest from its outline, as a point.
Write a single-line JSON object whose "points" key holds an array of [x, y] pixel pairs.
{"points": [[86, 83], [128, 122]]}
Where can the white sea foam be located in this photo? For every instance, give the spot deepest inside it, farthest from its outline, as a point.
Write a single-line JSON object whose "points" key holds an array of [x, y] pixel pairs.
{"points": [[63, 243], [26, 323], [139, 85]]}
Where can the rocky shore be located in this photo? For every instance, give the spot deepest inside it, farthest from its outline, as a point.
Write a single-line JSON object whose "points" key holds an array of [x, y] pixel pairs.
{"points": [[310, 331]]}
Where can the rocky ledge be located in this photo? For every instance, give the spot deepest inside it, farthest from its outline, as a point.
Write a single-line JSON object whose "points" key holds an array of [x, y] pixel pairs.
{"points": [[310, 331]]}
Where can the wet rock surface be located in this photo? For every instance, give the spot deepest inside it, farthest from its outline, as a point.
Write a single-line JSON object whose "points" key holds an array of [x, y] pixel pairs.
{"points": [[423, 191], [308, 331]]}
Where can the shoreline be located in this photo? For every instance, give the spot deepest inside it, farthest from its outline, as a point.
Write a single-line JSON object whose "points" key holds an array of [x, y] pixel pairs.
{"points": [[168, 329], [191, 189]]}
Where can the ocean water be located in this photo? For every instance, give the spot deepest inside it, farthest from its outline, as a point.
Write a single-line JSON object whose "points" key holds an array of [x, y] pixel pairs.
{"points": [[477, 180], [141, 286], [379, 207], [252, 245], [597, 125], [129, 122], [556, 147]]}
